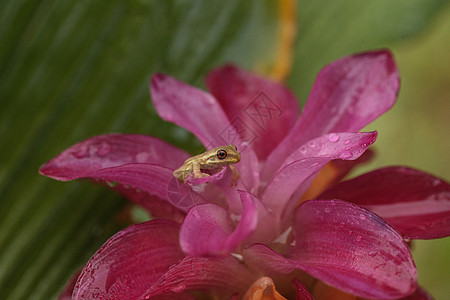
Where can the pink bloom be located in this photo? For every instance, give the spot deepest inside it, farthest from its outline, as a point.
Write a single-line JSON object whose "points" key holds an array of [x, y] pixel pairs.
{"points": [[227, 240]]}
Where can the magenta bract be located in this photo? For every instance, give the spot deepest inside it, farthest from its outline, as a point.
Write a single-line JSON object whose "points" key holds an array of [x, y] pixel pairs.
{"points": [[226, 237]]}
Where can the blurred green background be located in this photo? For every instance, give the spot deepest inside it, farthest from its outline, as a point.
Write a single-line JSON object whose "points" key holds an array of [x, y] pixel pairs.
{"points": [[73, 69]]}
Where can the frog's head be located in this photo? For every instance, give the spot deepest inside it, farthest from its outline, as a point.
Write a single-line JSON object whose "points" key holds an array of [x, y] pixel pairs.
{"points": [[223, 155]]}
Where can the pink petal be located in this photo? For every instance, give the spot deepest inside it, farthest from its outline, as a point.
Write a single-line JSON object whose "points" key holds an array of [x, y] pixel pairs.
{"points": [[417, 204], [223, 188], [222, 274], [130, 262], [347, 247], [149, 178], [344, 167], [117, 160], [304, 163], [353, 249], [201, 114], [419, 294], [268, 227], [347, 95], [235, 296], [268, 109], [157, 207], [111, 150], [190, 108], [154, 180], [301, 292], [208, 230], [112, 170]]}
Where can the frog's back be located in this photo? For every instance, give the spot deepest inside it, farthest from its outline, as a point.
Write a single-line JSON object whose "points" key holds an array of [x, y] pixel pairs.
{"points": [[197, 158]]}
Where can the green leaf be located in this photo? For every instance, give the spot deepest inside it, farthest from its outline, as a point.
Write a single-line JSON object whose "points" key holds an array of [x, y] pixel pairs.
{"points": [[73, 69]]}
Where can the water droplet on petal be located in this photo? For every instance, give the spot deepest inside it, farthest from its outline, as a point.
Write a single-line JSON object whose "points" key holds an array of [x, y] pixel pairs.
{"points": [[81, 152], [312, 144], [362, 216], [327, 209], [303, 149], [358, 238], [333, 137], [111, 184], [179, 285], [373, 253], [143, 157], [436, 182], [196, 215], [103, 150], [347, 142], [346, 155]]}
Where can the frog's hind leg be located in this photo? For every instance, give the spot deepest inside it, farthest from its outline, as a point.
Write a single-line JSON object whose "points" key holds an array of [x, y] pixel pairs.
{"points": [[235, 177], [183, 172]]}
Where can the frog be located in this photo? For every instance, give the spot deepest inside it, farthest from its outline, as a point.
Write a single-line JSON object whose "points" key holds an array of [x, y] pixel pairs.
{"points": [[213, 160]]}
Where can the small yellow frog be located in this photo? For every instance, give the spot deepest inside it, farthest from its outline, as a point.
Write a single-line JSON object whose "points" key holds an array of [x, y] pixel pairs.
{"points": [[210, 160]]}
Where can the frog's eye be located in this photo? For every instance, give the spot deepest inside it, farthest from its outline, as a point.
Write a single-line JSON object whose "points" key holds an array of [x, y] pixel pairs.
{"points": [[221, 154]]}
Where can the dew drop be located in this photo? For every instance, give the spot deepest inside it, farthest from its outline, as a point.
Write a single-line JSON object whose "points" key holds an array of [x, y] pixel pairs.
{"points": [[333, 137], [143, 157], [196, 215], [179, 285], [303, 149], [346, 155], [81, 152], [362, 216], [436, 182], [347, 142], [311, 144], [103, 150], [327, 209], [358, 238], [111, 184]]}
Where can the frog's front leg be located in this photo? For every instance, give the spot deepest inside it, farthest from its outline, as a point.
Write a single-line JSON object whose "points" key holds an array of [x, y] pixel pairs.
{"points": [[183, 172], [235, 176], [197, 172]]}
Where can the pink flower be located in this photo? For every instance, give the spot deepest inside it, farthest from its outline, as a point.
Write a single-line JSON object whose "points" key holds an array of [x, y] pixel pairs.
{"points": [[234, 241]]}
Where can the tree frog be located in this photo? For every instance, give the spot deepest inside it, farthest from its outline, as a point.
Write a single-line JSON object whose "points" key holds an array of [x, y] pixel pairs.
{"points": [[210, 160]]}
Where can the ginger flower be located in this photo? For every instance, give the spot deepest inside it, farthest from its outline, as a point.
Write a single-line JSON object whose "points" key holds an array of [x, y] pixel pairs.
{"points": [[280, 232]]}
